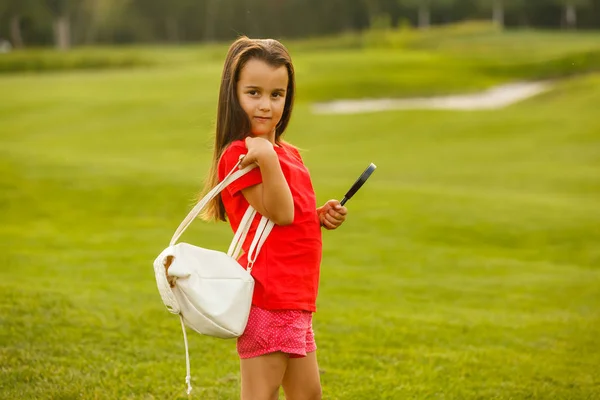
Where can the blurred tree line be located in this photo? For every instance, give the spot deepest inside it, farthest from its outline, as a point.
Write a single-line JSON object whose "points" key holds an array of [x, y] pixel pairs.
{"points": [[64, 23]]}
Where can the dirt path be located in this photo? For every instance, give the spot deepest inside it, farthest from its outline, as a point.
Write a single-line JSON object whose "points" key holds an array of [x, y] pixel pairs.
{"points": [[494, 98]]}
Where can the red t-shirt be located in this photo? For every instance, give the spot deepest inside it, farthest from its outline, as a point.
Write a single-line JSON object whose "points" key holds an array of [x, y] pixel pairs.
{"points": [[286, 271]]}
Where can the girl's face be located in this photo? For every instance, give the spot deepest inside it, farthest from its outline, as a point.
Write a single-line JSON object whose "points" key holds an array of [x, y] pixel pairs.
{"points": [[261, 91]]}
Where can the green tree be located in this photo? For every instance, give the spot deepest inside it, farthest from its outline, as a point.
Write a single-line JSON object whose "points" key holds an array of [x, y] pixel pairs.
{"points": [[91, 17], [570, 11], [13, 11], [499, 7], [424, 14], [61, 21], [424, 9]]}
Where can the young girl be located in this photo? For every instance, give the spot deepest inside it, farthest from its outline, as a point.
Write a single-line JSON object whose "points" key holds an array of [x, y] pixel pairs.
{"points": [[255, 104]]}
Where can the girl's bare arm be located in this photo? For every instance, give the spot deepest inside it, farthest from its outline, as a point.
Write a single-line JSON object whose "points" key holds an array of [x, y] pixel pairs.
{"points": [[271, 198]]}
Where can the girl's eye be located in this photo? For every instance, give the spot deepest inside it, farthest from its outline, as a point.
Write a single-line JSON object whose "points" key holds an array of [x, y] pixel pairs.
{"points": [[252, 93], [277, 94]]}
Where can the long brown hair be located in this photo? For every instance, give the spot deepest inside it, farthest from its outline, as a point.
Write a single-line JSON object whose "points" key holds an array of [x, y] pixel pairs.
{"points": [[232, 122]]}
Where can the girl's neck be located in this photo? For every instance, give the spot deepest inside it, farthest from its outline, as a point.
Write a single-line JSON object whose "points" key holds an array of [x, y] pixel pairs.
{"points": [[268, 136]]}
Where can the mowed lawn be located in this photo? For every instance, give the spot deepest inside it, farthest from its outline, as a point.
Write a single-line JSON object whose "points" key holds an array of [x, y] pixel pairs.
{"points": [[469, 267]]}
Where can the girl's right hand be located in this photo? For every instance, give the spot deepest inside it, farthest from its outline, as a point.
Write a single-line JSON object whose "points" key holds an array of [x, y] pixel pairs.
{"points": [[272, 198], [258, 149]]}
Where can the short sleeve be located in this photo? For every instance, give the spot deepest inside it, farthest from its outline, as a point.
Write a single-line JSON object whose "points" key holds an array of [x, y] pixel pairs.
{"points": [[293, 151], [228, 160], [296, 153]]}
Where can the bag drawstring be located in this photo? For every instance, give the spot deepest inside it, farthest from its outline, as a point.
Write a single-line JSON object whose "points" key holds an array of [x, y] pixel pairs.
{"points": [[263, 231], [188, 377]]}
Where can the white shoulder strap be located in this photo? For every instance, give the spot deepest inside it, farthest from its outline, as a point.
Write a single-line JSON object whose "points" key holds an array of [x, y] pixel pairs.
{"points": [[262, 232], [234, 174], [240, 235], [264, 228]]}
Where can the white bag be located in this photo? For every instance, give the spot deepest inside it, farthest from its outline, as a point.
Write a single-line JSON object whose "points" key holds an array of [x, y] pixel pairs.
{"points": [[212, 292]]}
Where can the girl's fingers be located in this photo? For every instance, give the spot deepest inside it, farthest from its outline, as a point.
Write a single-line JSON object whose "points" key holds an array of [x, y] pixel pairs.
{"points": [[328, 224], [332, 220], [332, 214], [337, 206], [248, 159], [336, 215]]}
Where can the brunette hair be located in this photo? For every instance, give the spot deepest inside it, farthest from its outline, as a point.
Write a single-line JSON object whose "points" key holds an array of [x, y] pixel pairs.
{"points": [[232, 122]]}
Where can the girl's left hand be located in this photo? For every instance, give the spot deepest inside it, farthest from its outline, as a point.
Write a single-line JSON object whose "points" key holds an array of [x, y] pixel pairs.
{"points": [[332, 214]]}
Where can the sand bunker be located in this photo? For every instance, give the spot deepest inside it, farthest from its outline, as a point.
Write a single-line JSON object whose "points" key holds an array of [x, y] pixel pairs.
{"points": [[494, 98]]}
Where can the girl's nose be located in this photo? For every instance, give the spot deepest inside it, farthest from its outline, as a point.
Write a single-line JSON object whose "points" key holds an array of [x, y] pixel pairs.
{"points": [[265, 105]]}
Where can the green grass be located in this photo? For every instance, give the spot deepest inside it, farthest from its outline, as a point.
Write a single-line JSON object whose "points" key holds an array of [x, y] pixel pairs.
{"points": [[44, 60], [469, 267], [392, 63]]}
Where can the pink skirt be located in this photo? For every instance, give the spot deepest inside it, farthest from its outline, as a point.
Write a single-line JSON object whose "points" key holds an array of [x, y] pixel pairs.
{"points": [[269, 331]]}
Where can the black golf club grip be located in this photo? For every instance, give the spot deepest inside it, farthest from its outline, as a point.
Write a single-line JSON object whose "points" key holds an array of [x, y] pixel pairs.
{"points": [[359, 182]]}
